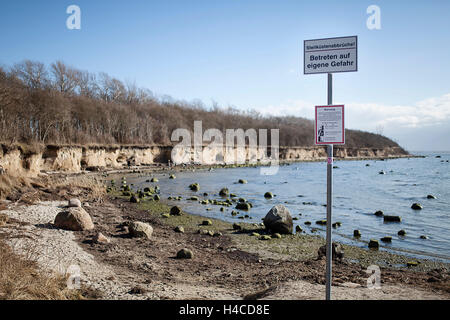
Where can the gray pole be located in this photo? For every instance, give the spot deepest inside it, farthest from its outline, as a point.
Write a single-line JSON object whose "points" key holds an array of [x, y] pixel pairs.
{"points": [[329, 198]]}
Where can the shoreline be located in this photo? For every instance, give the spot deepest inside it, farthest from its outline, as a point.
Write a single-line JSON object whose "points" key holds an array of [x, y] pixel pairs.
{"points": [[364, 255], [164, 166], [233, 265]]}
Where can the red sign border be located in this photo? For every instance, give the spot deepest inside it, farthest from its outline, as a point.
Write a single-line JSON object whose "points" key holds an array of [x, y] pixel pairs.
{"points": [[343, 127]]}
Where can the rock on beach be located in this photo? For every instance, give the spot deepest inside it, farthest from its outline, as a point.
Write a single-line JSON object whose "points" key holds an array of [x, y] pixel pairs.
{"points": [[279, 220], [74, 219]]}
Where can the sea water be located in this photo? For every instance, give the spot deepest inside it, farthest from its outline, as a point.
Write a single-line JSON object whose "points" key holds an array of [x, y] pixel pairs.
{"points": [[359, 190]]}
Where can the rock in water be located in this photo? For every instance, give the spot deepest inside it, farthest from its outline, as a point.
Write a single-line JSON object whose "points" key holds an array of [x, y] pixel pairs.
{"points": [[139, 229], [392, 219], [430, 196], [279, 220], [224, 192], [374, 244], [416, 206], [194, 187], [74, 203], [243, 206], [401, 233], [184, 254], [379, 213], [268, 195], [75, 219]]}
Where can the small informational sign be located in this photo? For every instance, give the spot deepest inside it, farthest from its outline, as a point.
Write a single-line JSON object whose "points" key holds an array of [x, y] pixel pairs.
{"points": [[330, 55], [329, 125]]}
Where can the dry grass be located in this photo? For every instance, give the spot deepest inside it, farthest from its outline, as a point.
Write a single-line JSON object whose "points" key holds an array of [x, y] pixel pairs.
{"points": [[9, 184], [21, 279], [86, 188]]}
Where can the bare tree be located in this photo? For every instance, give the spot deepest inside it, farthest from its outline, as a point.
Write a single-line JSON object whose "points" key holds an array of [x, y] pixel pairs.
{"points": [[64, 77], [87, 84], [111, 89], [33, 74]]}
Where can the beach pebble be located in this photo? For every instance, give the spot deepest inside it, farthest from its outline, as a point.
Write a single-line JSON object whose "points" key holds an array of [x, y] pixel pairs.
{"points": [[133, 199], [206, 222], [276, 236], [179, 229], [185, 254], [236, 226], [74, 203], [140, 229], [100, 238]]}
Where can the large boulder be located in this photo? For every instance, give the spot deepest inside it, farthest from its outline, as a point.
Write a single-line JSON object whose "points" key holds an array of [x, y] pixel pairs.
{"points": [[75, 219], [139, 229], [279, 220]]}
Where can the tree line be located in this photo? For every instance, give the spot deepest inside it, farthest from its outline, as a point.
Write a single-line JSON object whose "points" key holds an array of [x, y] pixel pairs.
{"points": [[60, 104]]}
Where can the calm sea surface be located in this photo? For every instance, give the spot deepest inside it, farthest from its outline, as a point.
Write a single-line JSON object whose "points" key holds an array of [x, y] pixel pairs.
{"points": [[359, 191]]}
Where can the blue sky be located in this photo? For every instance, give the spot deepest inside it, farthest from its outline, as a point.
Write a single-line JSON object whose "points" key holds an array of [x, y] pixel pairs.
{"points": [[249, 54]]}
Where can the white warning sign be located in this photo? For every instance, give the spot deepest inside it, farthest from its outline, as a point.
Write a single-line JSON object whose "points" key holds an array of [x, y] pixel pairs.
{"points": [[330, 55], [329, 125]]}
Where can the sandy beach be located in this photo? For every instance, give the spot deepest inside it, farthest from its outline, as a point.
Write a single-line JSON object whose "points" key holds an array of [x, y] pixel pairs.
{"points": [[232, 264]]}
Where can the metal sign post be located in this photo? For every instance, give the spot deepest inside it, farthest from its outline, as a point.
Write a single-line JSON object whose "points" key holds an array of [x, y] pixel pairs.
{"points": [[329, 56], [328, 271]]}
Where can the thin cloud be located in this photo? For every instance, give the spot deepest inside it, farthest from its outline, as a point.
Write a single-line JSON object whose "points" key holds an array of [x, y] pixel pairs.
{"points": [[372, 116]]}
